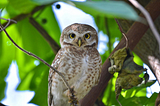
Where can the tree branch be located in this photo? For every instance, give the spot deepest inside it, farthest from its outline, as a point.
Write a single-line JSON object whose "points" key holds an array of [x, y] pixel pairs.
{"points": [[157, 102], [149, 20], [7, 24], [55, 47], [2, 104], [134, 35]]}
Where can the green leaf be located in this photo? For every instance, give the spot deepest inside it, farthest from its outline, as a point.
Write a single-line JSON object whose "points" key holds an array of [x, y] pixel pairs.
{"points": [[3, 3], [149, 83], [2, 89], [138, 90], [23, 6], [44, 2], [133, 101], [31, 40], [49, 23], [138, 101], [109, 96], [150, 101], [3, 73], [137, 60], [7, 54], [108, 8], [40, 97], [34, 77]]}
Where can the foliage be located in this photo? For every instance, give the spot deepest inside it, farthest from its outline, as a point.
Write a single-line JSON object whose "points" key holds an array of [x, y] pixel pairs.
{"points": [[34, 76]]}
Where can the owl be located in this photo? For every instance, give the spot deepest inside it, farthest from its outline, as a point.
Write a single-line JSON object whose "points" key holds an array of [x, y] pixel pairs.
{"points": [[79, 62]]}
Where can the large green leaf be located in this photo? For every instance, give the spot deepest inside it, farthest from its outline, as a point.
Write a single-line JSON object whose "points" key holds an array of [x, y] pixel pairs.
{"points": [[142, 86], [2, 89], [3, 3], [23, 6], [137, 60], [45, 2], [7, 54], [40, 97], [108, 8], [139, 101], [109, 94], [49, 23], [31, 40], [34, 77]]}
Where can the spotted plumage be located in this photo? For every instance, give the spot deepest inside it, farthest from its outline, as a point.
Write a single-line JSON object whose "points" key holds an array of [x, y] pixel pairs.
{"points": [[79, 62]]}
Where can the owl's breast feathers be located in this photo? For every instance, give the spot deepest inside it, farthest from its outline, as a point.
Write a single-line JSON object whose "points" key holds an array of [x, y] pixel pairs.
{"points": [[81, 68]]}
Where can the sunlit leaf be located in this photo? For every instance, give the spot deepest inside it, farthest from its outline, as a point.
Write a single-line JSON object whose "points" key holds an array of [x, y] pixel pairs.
{"points": [[7, 54], [108, 8], [138, 90], [44, 2], [149, 83], [40, 97], [31, 40], [23, 6], [2, 89], [109, 93], [49, 23], [138, 101], [137, 60], [151, 101], [3, 3]]}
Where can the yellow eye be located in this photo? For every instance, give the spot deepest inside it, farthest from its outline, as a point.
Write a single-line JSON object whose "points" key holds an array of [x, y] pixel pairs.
{"points": [[72, 35], [87, 36]]}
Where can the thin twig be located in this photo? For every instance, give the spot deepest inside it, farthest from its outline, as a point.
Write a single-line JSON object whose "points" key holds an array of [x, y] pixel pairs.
{"points": [[149, 20], [33, 55], [9, 20], [119, 102], [122, 33]]}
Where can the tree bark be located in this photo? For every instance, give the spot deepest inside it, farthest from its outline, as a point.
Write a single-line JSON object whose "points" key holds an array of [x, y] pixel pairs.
{"points": [[147, 49], [157, 103]]}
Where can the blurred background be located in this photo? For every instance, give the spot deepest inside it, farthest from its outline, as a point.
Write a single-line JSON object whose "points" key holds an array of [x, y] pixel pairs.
{"points": [[24, 80]]}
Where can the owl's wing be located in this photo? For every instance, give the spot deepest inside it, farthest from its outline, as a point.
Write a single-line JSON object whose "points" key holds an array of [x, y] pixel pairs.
{"points": [[55, 64]]}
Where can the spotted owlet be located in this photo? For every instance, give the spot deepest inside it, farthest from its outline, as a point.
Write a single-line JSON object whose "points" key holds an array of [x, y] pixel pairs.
{"points": [[79, 62]]}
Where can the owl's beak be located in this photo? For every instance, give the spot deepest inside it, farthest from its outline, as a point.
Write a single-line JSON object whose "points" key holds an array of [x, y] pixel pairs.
{"points": [[79, 42]]}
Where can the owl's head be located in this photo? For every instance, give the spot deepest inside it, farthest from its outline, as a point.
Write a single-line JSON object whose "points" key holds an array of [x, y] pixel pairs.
{"points": [[80, 36]]}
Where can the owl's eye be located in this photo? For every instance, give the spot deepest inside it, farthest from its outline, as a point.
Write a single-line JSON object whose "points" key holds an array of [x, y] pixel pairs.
{"points": [[87, 36], [72, 36]]}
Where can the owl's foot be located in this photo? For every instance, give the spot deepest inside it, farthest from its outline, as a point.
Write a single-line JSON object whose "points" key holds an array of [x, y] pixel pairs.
{"points": [[72, 98]]}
